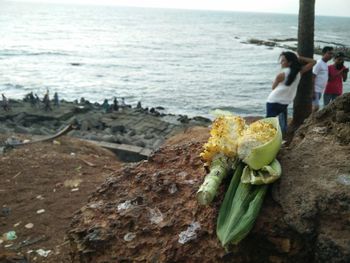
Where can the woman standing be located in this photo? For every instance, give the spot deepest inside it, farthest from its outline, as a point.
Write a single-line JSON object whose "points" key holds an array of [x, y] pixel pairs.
{"points": [[284, 87]]}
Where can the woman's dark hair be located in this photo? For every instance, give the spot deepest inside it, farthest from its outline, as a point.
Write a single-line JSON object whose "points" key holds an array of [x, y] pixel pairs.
{"points": [[295, 66]]}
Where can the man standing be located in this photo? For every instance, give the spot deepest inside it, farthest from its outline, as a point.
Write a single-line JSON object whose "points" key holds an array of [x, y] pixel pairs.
{"points": [[320, 76], [337, 73]]}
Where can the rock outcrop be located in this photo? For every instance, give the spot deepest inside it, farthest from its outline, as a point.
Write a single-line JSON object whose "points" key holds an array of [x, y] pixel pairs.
{"points": [[148, 213], [131, 126]]}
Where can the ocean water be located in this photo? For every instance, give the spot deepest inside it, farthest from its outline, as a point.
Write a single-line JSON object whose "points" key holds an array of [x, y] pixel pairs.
{"points": [[190, 62]]}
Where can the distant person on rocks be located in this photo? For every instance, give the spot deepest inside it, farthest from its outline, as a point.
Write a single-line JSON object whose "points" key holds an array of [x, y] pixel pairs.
{"points": [[284, 87], [26, 98], [122, 104], [337, 73], [115, 104], [56, 101], [37, 99], [82, 100], [46, 101], [5, 103], [32, 99], [29, 98], [105, 106], [320, 77], [139, 106]]}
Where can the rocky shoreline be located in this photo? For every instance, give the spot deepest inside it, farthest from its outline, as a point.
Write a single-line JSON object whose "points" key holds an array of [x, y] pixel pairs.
{"points": [[291, 43], [139, 126]]}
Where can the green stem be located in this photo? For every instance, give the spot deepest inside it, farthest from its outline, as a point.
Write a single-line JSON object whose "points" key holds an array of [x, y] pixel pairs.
{"points": [[218, 171]]}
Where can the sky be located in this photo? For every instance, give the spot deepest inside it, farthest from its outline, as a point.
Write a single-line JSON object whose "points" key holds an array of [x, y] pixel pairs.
{"points": [[323, 7]]}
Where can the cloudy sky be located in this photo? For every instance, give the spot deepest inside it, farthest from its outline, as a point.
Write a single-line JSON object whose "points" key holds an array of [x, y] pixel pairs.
{"points": [[323, 7]]}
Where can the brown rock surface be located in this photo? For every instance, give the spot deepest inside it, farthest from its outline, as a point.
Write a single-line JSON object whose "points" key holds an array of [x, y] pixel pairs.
{"points": [[305, 217], [314, 191]]}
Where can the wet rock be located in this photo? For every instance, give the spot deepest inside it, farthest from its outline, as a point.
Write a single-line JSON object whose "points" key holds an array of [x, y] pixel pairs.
{"points": [[21, 129], [139, 143], [107, 131], [3, 130], [149, 136], [126, 140], [85, 125], [45, 131], [20, 117], [132, 133], [92, 137], [118, 128], [183, 119], [107, 138], [202, 119], [328, 251], [342, 117]]}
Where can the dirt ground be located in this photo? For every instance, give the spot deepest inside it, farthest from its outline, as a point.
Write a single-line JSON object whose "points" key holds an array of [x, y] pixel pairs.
{"points": [[55, 176], [59, 177]]}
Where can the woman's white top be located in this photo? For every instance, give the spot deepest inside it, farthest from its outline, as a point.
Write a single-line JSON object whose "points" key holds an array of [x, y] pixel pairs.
{"points": [[284, 94]]}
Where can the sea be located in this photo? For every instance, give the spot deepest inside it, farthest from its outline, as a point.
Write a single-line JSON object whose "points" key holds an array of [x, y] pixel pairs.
{"points": [[187, 61]]}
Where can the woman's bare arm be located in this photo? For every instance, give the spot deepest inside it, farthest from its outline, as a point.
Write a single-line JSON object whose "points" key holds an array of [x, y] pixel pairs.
{"points": [[279, 78], [309, 63]]}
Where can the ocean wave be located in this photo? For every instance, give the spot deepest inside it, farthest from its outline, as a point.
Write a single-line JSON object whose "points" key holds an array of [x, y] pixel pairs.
{"points": [[235, 110], [12, 52], [12, 86]]}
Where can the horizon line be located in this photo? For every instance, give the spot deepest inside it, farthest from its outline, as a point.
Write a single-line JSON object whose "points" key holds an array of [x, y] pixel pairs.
{"points": [[57, 2]]}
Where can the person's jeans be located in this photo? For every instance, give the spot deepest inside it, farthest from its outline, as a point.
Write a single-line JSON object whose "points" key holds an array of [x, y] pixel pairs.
{"points": [[327, 98], [316, 100], [280, 110]]}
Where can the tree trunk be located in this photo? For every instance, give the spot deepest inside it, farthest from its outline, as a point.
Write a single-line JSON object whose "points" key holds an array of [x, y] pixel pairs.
{"points": [[303, 101]]}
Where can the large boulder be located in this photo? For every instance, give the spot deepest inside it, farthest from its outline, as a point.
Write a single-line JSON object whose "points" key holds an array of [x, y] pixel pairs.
{"points": [[314, 192]]}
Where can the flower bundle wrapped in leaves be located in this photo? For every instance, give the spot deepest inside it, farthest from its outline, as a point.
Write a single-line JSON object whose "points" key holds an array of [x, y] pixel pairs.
{"points": [[253, 150]]}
